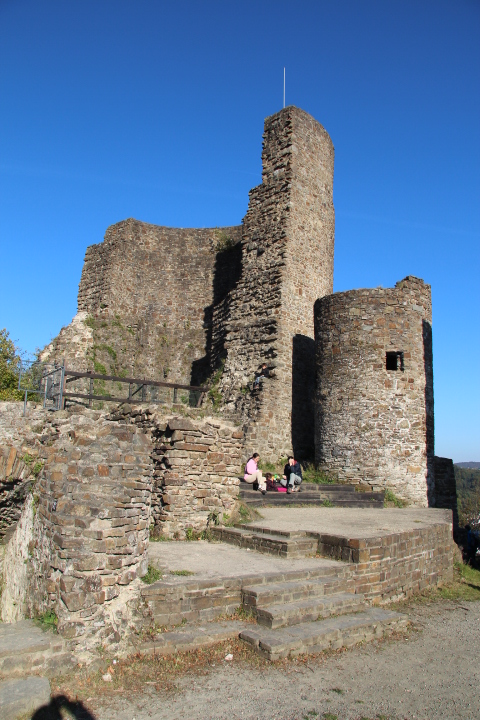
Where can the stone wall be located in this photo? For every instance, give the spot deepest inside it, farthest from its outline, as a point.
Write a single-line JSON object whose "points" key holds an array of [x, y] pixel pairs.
{"points": [[16, 475], [395, 566], [145, 302], [446, 487], [197, 469], [287, 262], [79, 543], [82, 539], [373, 425]]}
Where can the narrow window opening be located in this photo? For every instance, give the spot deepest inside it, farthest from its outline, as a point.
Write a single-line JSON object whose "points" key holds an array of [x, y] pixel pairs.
{"points": [[394, 360]]}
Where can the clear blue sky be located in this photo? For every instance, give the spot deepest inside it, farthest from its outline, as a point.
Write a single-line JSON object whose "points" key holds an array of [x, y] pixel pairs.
{"points": [[113, 109]]}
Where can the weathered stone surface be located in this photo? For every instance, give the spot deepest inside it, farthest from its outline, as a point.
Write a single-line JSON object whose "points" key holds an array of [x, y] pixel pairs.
{"points": [[23, 695], [375, 425], [287, 263]]}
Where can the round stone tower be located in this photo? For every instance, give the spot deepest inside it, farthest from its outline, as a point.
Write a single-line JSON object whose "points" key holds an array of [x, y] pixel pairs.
{"points": [[374, 396]]}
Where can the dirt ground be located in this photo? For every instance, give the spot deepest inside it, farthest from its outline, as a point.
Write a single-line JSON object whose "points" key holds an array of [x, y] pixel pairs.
{"points": [[430, 672]]}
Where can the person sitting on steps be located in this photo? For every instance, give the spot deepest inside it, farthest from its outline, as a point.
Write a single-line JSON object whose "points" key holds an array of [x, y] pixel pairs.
{"points": [[253, 474], [292, 475]]}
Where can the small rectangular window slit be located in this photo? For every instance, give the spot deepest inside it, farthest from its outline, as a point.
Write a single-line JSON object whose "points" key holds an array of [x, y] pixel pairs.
{"points": [[394, 360]]}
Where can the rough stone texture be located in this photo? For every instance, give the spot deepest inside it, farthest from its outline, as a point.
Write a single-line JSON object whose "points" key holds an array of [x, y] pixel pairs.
{"points": [[15, 568], [147, 293], [91, 527], [197, 468], [287, 263], [446, 487], [15, 480], [392, 567], [83, 537], [74, 344], [26, 648], [375, 426]]}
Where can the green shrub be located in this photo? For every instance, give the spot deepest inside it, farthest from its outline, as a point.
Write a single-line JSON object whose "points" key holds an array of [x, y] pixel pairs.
{"points": [[391, 498], [313, 475], [10, 363], [224, 242], [47, 621], [153, 574], [99, 368]]}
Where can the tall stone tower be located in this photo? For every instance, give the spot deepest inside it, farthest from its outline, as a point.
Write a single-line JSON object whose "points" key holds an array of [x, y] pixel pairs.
{"points": [[287, 263], [374, 404]]}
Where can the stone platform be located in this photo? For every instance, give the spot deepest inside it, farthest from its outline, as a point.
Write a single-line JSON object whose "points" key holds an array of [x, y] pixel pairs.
{"points": [[308, 577]]}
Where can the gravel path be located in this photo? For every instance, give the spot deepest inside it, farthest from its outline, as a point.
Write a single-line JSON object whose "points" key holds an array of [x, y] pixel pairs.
{"points": [[433, 673]]}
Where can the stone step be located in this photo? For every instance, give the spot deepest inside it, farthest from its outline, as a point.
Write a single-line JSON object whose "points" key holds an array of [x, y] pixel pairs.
{"points": [[256, 596], [283, 615], [193, 636], [27, 649], [22, 696], [313, 637], [291, 545], [311, 487], [185, 599], [295, 499]]}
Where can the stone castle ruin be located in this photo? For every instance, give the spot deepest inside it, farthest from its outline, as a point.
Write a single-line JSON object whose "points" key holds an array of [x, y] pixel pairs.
{"points": [[351, 373], [84, 490]]}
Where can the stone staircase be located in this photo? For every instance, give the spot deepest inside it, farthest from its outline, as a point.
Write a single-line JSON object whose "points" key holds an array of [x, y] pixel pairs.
{"points": [[310, 616], [333, 633], [313, 494], [286, 544], [295, 612]]}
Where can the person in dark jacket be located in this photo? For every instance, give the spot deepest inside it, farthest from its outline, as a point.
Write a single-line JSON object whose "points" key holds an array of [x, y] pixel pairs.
{"points": [[292, 475]]}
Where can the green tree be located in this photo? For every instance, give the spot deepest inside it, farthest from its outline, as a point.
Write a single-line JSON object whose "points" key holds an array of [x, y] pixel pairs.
{"points": [[9, 368]]}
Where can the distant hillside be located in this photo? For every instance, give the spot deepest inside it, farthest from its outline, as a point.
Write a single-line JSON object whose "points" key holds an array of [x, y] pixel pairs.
{"points": [[468, 492], [472, 465]]}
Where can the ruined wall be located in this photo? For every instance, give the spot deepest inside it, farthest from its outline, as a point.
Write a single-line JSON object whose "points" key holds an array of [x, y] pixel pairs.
{"points": [[91, 529], [146, 301], [197, 468], [82, 538], [373, 425], [95, 486], [287, 262]]}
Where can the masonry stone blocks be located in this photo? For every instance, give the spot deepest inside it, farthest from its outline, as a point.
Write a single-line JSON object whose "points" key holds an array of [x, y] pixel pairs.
{"points": [[209, 306], [374, 401]]}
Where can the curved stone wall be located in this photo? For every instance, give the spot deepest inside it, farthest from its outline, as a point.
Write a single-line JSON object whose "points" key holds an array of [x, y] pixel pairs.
{"points": [[374, 425]]}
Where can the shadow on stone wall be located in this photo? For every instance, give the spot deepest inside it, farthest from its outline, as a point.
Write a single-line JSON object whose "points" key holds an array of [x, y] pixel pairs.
{"points": [[303, 392], [227, 271], [430, 432]]}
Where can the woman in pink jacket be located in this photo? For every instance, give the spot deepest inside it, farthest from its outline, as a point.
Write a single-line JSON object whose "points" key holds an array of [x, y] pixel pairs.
{"points": [[253, 474]]}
